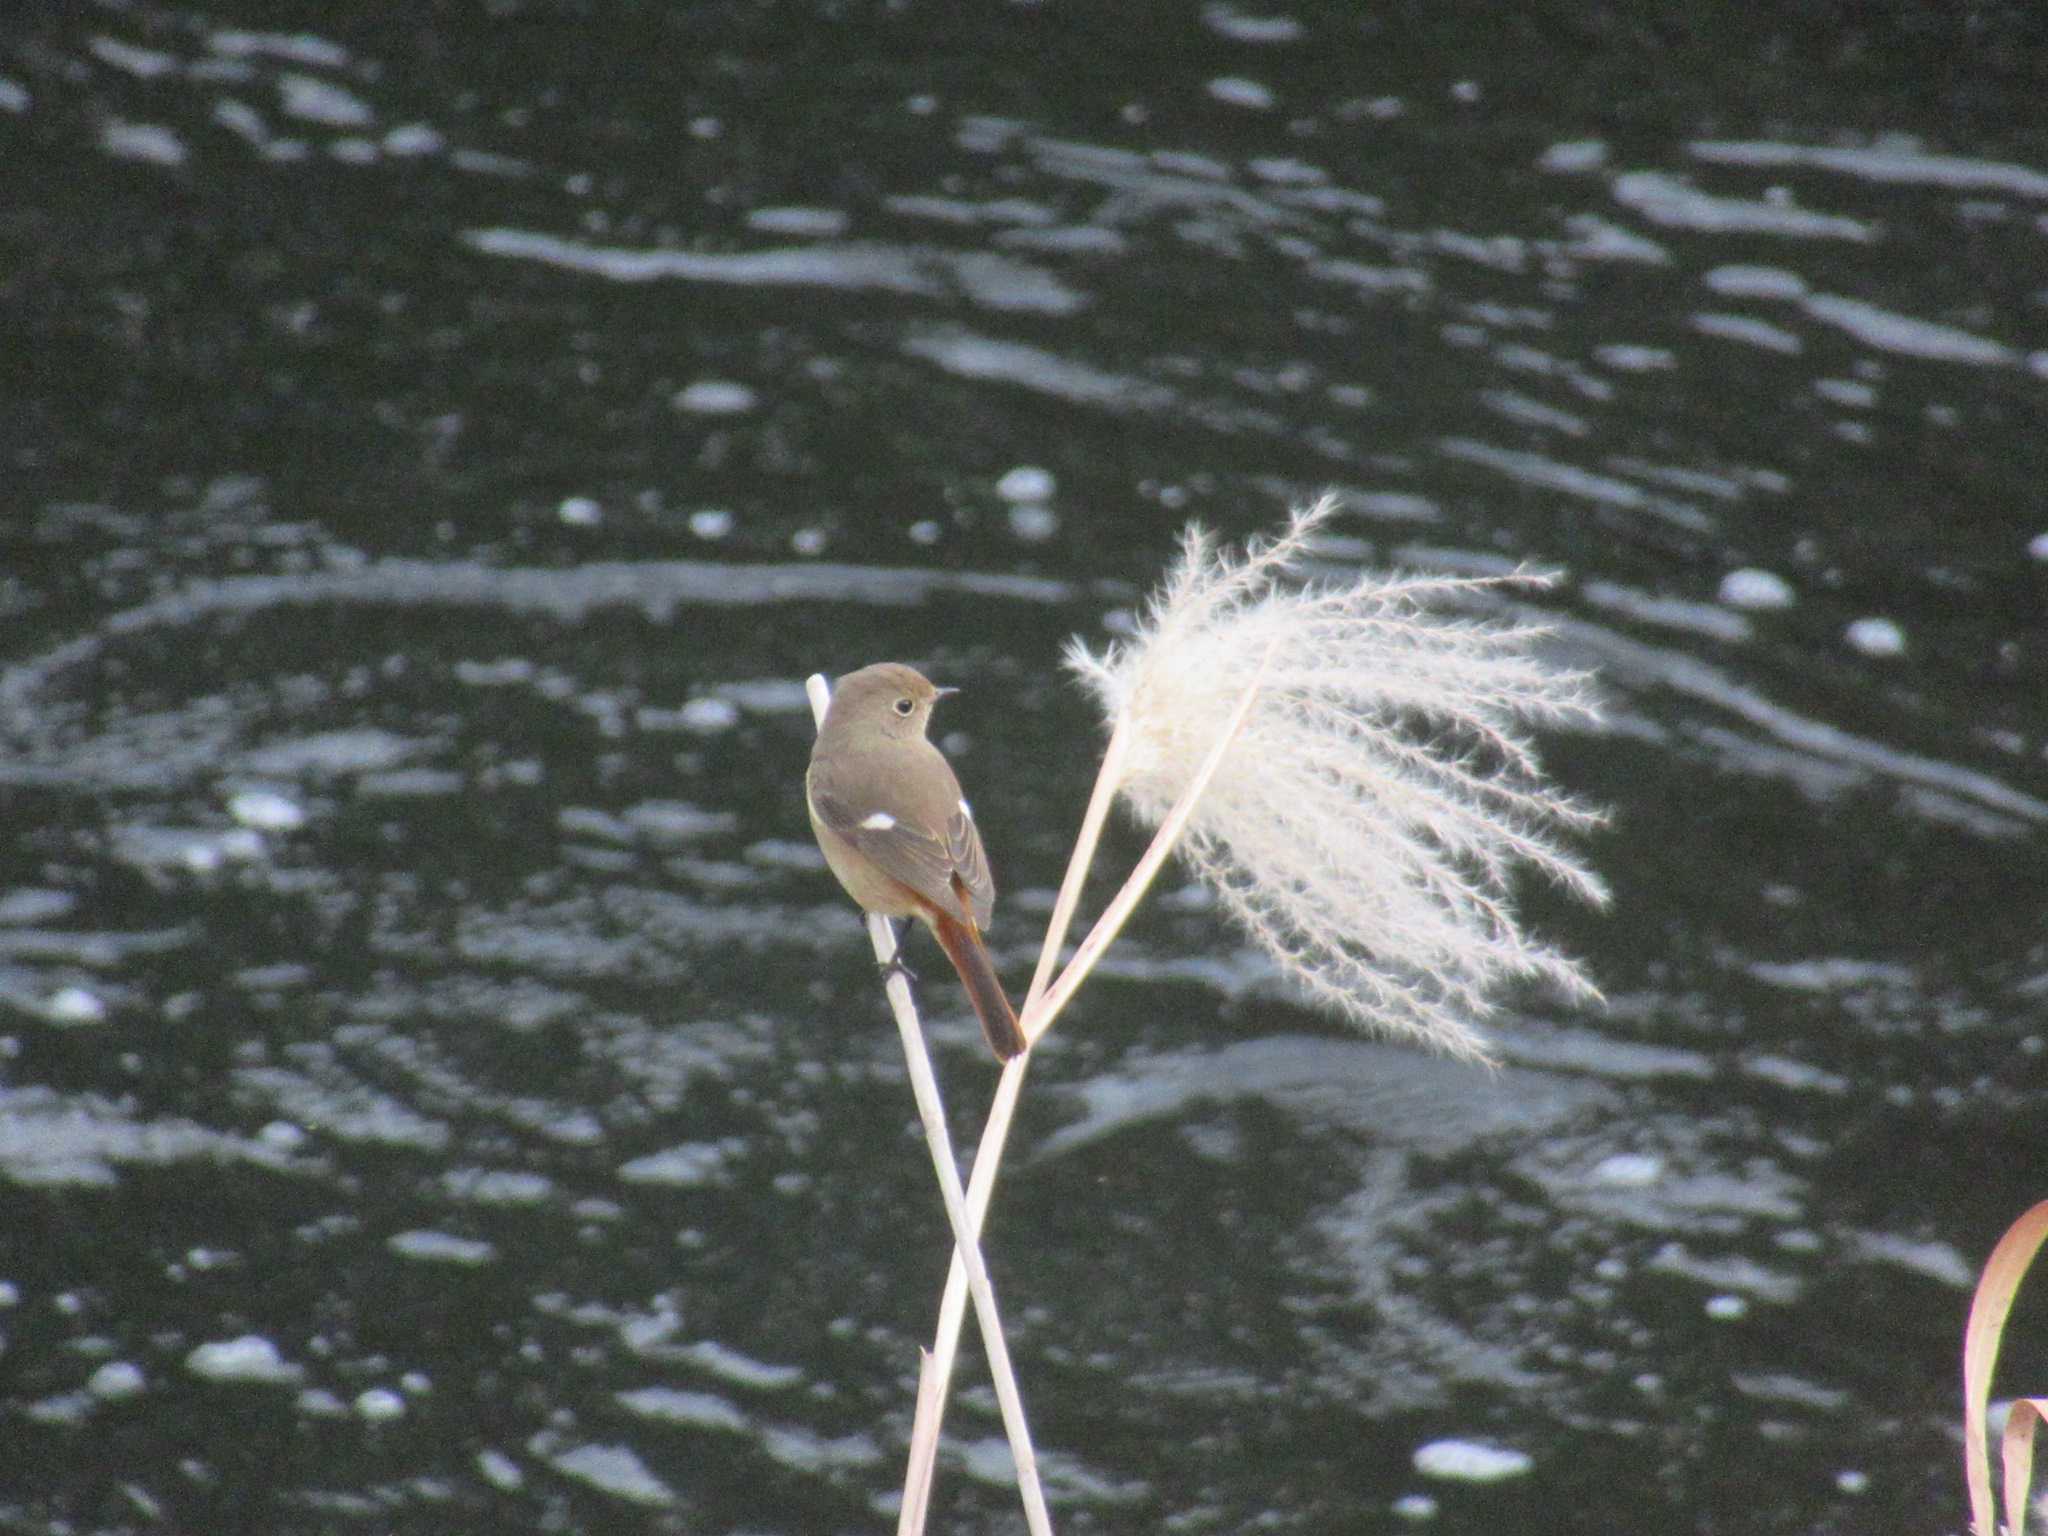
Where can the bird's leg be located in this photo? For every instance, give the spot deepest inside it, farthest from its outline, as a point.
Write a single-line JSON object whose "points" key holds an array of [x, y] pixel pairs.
{"points": [[895, 966]]}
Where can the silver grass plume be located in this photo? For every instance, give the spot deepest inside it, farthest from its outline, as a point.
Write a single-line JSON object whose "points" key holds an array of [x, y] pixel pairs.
{"points": [[1366, 825]]}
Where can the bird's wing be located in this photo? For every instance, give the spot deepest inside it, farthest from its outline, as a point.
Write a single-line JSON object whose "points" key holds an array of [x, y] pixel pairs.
{"points": [[970, 864], [900, 845]]}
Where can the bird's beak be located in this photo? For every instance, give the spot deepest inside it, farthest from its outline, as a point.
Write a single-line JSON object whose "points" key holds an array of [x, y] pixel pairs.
{"points": [[942, 692]]}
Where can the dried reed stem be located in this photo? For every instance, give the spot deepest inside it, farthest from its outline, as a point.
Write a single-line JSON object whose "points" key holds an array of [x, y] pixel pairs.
{"points": [[935, 1374], [925, 1087], [1041, 1007]]}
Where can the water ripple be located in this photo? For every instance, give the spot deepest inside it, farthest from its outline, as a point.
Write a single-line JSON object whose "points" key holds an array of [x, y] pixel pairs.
{"points": [[1665, 199], [984, 278], [1884, 164]]}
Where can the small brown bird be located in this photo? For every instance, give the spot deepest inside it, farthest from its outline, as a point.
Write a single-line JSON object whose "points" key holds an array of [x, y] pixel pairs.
{"points": [[888, 814]]}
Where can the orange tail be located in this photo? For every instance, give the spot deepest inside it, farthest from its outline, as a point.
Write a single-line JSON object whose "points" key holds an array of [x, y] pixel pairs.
{"points": [[970, 958]]}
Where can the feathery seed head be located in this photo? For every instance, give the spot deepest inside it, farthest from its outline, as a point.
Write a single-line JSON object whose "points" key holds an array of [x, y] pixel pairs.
{"points": [[1366, 825]]}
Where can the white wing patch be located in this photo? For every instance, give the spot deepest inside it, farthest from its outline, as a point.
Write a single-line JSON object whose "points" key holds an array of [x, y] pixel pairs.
{"points": [[879, 821]]}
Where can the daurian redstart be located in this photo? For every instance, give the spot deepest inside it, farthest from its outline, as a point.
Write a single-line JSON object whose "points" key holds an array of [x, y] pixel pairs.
{"points": [[888, 814]]}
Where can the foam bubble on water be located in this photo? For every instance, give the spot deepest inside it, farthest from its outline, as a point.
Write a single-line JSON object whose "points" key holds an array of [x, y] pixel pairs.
{"points": [[675, 822], [266, 810], [115, 1380], [811, 223], [241, 844], [1414, 1506], [500, 1471], [441, 1247], [357, 750], [808, 541], [1674, 202], [616, 1470], [1743, 280], [1240, 27], [295, 47], [1876, 637], [248, 1358], [142, 141], [711, 523], [1891, 332], [1287, 171], [714, 397], [693, 1163], [1629, 358], [35, 904], [497, 1186], [707, 716], [1750, 331], [743, 1370], [703, 1410], [1470, 1461], [413, 139], [314, 100], [67, 1408], [143, 63], [1596, 239], [379, 1404], [2037, 547], [1034, 524], [1853, 393], [1573, 155], [1027, 482], [1726, 1308], [74, 1006], [806, 1452], [580, 511], [1236, 91], [195, 852], [1630, 1169], [1756, 589]]}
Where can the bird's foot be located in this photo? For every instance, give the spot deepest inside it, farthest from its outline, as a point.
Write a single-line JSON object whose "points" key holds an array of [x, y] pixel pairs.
{"points": [[894, 966]]}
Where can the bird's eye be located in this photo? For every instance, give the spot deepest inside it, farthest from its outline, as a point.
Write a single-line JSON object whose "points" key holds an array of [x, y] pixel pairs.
{"points": [[904, 706]]}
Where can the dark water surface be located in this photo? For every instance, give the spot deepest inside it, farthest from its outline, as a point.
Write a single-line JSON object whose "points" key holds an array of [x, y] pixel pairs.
{"points": [[440, 1087]]}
